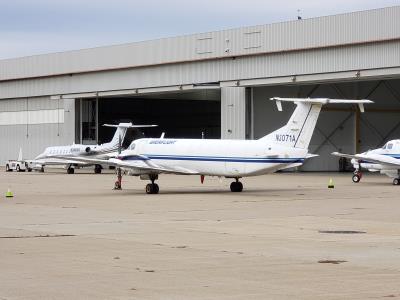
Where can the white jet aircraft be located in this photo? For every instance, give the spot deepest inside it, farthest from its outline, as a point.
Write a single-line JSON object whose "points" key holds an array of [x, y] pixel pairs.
{"points": [[104, 151], [284, 148], [385, 160]]}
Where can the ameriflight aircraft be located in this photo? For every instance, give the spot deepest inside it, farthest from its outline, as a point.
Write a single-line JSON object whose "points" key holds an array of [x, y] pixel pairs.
{"points": [[284, 148], [100, 151], [385, 160]]}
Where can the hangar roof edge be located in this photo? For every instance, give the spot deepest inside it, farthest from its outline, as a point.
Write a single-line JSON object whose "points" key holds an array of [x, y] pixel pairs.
{"points": [[360, 27]]}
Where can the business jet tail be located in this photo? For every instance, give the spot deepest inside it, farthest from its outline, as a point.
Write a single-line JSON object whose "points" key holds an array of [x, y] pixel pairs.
{"points": [[120, 133], [300, 127]]}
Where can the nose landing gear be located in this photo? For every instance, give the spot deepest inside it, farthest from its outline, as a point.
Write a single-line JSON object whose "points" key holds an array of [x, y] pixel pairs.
{"points": [[357, 176]]}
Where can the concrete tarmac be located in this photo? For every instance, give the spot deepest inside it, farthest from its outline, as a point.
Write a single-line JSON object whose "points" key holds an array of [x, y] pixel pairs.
{"points": [[286, 236]]}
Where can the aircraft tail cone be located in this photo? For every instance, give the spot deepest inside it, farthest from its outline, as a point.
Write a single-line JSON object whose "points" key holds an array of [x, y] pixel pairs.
{"points": [[9, 194], [330, 184]]}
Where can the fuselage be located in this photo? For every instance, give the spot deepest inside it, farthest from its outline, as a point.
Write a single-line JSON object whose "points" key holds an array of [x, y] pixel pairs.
{"points": [[47, 158], [229, 158], [391, 150]]}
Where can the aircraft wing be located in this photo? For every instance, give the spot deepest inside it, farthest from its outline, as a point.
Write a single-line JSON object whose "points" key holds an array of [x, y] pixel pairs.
{"points": [[55, 162], [373, 158], [142, 164]]}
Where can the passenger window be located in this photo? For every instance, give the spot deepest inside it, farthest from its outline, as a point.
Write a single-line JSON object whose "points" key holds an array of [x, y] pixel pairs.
{"points": [[390, 146]]}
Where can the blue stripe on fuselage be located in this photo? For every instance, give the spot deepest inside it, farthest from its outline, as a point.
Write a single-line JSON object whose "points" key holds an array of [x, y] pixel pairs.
{"points": [[397, 156], [216, 158]]}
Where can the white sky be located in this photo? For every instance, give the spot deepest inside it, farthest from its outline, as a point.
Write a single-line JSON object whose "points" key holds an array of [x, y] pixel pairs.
{"points": [[29, 27]]}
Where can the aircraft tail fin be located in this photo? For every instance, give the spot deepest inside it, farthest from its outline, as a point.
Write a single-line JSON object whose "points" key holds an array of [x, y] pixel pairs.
{"points": [[20, 154], [300, 127], [120, 133]]}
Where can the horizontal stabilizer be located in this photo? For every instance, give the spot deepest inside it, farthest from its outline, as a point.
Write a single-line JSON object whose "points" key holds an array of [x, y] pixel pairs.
{"points": [[128, 125], [321, 101]]}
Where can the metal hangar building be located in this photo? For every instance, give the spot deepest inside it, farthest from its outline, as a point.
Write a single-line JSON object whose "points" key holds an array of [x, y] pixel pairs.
{"points": [[216, 83]]}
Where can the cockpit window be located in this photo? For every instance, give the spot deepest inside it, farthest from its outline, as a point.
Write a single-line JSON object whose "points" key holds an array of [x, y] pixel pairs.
{"points": [[390, 146], [132, 146], [384, 147]]}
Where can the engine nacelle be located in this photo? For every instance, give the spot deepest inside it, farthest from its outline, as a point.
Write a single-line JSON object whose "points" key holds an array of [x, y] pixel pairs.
{"points": [[81, 150]]}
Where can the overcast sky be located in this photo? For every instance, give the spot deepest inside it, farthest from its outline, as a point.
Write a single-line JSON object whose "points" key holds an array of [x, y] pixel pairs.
{"points": [[29, 27]]}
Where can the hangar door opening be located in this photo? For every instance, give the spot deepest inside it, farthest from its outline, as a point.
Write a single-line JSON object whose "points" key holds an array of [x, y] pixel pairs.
{"points": [[339, 128], [187, 114]]}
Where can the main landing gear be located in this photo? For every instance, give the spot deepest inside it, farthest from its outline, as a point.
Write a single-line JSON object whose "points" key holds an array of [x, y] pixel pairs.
{"points": [[357, 176], [396, 181], [97, 169], [236, 186], [70, 170], [152, 188]]}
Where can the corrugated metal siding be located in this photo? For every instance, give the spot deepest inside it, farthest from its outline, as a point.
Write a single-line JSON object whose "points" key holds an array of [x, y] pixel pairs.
{"points": [[317, 61], [33, 138], [350, 28], [31, 117], [233, 113]]}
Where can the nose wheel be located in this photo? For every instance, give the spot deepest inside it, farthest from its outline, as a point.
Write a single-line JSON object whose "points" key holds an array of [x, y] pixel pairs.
{"points": [[396, 181], [236, 186], [357, 177]]}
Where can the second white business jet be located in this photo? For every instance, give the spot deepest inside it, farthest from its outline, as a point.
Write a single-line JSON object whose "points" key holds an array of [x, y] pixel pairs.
{"points": [[284, 148], [99, 151], [385, 160]]}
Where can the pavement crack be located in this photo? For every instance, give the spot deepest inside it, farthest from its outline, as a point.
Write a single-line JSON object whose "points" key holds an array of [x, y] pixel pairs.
{"points": [[37, 236]]}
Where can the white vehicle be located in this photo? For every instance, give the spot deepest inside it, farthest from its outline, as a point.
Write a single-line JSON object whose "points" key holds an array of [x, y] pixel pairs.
{"points": [[284, 148], [105, 150], [385, 160], [18, 165]]}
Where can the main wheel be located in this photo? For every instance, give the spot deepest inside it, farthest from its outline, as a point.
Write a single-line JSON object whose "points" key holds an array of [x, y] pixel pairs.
{"points": [[17, 168], [7, 168], [152, 188], [149, 188], [236, 187], [356, 178], [396, 181], [70, 171], [156, 188], [97, 169], [239, 186]]}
